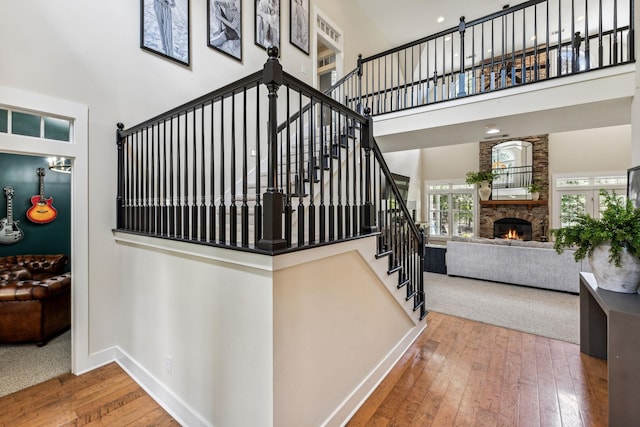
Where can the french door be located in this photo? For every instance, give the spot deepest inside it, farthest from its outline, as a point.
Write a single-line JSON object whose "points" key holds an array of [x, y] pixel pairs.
{"points": [[583, 201]]}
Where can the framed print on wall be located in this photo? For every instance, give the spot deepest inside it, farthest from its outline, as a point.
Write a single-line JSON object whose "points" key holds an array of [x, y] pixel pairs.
{"points": [[267, 23], [633, 186], [164, 28], [299, 24], [224, 27]]}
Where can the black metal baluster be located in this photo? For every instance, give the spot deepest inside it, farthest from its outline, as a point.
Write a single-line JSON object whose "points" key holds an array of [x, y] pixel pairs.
{"points": [[587, 48], [342, 210], [523, 64], [153, 213], [171, 230], [334, 127], [212, 180], [311, 173], [185, 177], [559, 70], [144, 178], [193, 229], [222, 209], [615, 31], [257, 216], [233, 209], [179, 199], [631, 43], [202, 210], [245, 207], [288, 214], [300, 159], [320, 164]]}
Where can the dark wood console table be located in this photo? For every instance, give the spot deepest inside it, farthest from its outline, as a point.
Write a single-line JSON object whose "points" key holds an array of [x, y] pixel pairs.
{"points": [[610, 329]]}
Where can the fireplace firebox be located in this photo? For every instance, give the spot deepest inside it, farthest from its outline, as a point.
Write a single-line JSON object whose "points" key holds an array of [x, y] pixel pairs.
{"points": [[512, 228]]}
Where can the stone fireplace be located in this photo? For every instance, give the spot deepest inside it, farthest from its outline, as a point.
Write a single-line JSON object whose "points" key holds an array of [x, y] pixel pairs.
{"points": [[534, 212]]}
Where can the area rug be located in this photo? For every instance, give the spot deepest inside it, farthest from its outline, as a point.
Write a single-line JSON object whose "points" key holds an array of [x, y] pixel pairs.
{"points": [[536, 311], [24, 365]]}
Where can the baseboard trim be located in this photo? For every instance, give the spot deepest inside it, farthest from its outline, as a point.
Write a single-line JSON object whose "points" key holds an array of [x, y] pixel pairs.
{"points": [[171, 403], [361, 393]]}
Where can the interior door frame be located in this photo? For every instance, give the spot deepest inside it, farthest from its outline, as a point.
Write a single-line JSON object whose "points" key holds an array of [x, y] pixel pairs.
{"points": [[77, 151]]}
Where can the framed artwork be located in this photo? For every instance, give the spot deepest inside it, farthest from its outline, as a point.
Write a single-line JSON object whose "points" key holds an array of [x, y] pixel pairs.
{"points": [[633, 186], [267, 23], [164, 28], [224, 27], [299, 24]]}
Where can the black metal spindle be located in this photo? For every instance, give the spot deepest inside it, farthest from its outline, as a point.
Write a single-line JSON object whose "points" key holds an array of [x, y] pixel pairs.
{"points": [[233, 209], [311, 173], [212, 178], [193, 207], [615, 31], [245, 154], [185, 202], [320, 164], [222, 208], [288, 214], [257, 218], [202, 210]]}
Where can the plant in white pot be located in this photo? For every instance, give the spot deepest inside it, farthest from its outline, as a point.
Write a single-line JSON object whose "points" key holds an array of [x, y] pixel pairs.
{"points": [[612, 243], [483, 179], [534, 189]]}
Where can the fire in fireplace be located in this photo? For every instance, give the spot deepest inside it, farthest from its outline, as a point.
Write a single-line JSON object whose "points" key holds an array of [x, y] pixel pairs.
{"points": [[512, 228]]}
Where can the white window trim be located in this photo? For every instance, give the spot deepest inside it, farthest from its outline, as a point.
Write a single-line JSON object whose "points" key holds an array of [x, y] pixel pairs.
{"points": [[473, 190], [557, 191]]}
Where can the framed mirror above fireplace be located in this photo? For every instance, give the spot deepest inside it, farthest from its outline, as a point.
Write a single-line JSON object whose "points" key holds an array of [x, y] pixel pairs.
{"points": [[512, 166]]}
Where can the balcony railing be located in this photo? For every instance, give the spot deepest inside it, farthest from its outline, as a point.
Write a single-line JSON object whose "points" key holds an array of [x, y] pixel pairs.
{"points": [[531, 42]]}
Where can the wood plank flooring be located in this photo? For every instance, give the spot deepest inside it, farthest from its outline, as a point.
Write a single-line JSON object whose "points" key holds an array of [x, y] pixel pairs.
{"points": [[104, 396], [457, 373], [465, 373]]}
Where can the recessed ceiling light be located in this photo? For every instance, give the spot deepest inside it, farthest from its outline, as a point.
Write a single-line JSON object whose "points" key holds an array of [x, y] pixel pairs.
{"points": [[533, 37], [440, 19], [488, 50], [491, 129], [447, 38], [455, 55]]}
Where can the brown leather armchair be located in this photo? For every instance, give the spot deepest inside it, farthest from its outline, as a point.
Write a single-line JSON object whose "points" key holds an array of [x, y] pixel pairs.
{"points": [[35, 297]]}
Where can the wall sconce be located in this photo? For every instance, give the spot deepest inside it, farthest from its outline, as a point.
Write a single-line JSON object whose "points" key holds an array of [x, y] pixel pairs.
{"points": [[60, 164]]}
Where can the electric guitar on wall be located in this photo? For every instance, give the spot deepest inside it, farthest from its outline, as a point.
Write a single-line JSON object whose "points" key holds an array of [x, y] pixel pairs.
{"points": [[42, 210], [9, 231]]}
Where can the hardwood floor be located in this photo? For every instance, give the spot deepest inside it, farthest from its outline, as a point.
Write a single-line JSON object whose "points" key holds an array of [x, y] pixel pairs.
{"points": [[105, 396], [465, 373], [458, 372]]}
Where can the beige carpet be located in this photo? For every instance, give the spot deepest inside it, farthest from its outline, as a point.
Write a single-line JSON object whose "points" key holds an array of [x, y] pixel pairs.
{"points": [[536, 311], [24, 365]]}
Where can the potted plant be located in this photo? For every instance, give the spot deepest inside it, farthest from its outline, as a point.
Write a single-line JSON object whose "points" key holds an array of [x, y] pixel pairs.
{"points": [[612, 243], [483, 179], [534, 189]]}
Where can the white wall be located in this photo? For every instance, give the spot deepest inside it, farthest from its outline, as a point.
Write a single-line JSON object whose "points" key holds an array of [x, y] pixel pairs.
{"points": [[590, 150], [329, 335], [408, 163]]}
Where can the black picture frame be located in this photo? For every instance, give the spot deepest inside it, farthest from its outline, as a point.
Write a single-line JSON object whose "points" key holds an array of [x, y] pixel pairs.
{"points": [[164, 28], [267, 23], [299, 24], [224, 27], [633, 185]]}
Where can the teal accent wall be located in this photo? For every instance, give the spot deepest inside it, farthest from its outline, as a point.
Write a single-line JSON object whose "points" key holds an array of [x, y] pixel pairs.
{"points": [[19, 172]]}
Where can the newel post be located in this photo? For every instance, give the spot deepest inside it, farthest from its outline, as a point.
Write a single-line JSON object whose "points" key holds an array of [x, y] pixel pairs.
{"points": [[368, 210], [272, 77], [120, 189]]}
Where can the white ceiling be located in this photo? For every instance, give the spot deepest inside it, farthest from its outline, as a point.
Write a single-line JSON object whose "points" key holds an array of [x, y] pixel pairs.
{"points": [[403, 21]]}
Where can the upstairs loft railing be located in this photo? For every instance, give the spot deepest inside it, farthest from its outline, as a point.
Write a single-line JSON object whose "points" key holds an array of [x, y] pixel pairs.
{"points": [[530, 42], [266, 164]]}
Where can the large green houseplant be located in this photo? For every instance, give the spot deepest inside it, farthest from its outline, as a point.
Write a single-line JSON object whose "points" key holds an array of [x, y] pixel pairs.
{"points": [[614, 239]]}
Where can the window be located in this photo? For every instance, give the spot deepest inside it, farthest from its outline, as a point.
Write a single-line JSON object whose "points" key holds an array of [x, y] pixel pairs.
{"points": [[451, 208], [35, 125], [579, 195]]}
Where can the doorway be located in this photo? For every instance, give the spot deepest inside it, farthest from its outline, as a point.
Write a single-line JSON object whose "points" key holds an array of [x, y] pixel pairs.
{"points": [[74, 148]]}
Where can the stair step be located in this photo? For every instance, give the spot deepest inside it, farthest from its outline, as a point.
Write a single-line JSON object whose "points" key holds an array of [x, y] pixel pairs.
{"points": [[394, 269]]}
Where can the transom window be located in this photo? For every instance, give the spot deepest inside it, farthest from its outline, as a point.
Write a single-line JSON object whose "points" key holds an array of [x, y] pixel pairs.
{"points": [[35, 125]]}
